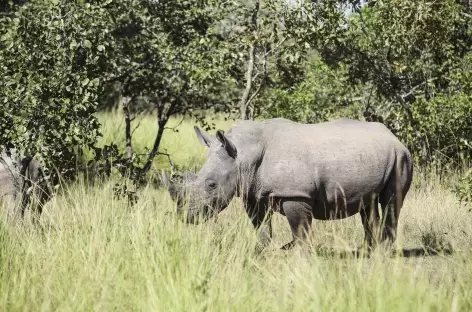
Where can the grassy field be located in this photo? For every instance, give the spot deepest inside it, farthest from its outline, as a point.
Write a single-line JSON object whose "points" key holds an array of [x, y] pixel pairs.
{"points": [[95, 253]]}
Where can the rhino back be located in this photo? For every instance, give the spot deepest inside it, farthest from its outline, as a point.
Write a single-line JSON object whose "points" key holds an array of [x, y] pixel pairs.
{"points": [[344, 157]]}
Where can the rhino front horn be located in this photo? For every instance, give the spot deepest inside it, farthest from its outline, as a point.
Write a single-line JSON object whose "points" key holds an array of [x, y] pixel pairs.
{"points": [[173, 188]]}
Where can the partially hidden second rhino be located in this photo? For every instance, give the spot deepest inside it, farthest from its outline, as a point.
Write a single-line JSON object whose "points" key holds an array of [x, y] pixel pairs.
{"points": [[326, 171], [11, 181]]}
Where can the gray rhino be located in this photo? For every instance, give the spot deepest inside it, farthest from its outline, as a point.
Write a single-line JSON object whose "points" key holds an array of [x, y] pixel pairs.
{"points": [[326, 171], [11, 180]]}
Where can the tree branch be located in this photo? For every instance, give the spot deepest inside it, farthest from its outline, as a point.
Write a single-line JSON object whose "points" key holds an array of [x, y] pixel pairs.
{"points": [[261, 85], [275, 48], [180, 122], [417, 86], [155, 148]]}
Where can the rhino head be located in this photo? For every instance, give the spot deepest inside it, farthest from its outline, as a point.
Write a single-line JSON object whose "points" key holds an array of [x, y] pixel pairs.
{"points": [[210, 190]]}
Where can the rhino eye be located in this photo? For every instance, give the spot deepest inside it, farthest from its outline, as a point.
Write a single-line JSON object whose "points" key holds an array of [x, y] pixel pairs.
{"points": [[211, 184]]}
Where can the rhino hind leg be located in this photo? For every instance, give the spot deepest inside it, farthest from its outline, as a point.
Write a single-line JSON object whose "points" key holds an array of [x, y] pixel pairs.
{"points": [[390, 214], [391, 200], [370, 218], [299, 216]]}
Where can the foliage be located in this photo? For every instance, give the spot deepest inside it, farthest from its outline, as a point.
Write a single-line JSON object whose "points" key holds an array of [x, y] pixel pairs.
{"points": [[415, 55], [50, 80], [404, 63], [269, 40], [58, 57], [445, 122], [164, 51], [322, 95], [463, 188]]}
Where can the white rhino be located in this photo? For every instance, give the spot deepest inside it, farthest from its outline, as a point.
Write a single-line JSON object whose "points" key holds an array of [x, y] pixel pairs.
{"points": [[11, 180], [326, 171]]}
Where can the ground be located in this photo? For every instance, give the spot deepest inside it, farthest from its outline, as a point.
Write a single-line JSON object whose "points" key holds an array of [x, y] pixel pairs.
{"points": [[93, 252]]}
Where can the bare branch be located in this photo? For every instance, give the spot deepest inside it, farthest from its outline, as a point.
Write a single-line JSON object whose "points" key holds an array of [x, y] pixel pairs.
{"points": [[418, 86], [268, 53], [261, 85], [168, 157], [128, 134], [173, 128], [139, 124]]}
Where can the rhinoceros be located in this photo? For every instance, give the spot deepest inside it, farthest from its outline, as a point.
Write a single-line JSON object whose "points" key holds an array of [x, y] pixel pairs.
{"points": [[11, 180], [327, 171]]}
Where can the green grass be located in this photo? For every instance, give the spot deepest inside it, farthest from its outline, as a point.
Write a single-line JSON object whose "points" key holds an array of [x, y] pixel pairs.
{"points": [[183, 145], [92, 252]]}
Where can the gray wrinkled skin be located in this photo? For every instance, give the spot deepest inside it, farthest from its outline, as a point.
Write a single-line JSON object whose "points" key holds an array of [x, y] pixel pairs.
{"points": [[11, 180], [7, 177], [325, 171]]}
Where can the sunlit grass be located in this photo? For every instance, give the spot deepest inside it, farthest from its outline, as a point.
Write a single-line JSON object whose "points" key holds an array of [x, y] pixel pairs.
{"points": [[183, 146], [93, 252]]}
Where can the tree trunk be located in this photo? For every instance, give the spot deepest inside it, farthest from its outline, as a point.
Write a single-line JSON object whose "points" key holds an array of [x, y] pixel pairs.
{"points": [[155, 148], [243, 104], [129, 142], [246, 111]]}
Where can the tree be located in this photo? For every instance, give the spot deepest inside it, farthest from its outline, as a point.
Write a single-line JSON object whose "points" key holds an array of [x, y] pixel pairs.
{"points": [[59, 55], [268, 42], [415, 57], [321, 94], [50, 81], [166, 53]]}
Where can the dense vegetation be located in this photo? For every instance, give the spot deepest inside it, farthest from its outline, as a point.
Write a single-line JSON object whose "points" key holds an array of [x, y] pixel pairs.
{"points": [[404, 63], [108, 86]]}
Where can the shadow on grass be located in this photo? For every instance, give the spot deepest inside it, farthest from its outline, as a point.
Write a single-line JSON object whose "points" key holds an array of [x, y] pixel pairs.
{"points": [[362, 253], [422, 252]]}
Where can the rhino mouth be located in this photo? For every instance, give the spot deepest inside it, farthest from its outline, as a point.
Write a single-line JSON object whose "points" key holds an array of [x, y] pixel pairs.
{"points": [[197, 216]]}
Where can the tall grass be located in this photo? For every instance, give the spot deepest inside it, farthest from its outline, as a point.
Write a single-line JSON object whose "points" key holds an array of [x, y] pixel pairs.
{"points": [[92, 252]]}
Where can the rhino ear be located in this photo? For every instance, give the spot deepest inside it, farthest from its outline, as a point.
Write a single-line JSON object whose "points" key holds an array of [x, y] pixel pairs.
{"points": [[189, 176], [174, 189], [204, 138], [227, 144]]}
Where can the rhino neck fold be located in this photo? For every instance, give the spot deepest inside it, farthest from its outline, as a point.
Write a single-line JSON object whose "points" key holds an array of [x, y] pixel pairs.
{"points": [[248, 177], [248, 138]]}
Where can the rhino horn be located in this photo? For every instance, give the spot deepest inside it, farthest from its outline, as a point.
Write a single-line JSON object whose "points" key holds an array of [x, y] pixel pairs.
{"points": [[173, 188]]}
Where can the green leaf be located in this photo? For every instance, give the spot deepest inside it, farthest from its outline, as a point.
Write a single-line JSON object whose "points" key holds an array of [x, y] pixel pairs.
{"points": [[87, 44]]}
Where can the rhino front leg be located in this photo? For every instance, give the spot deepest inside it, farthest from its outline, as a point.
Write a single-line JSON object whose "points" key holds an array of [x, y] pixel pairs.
{"points": [[261, 217], [299, 216]]}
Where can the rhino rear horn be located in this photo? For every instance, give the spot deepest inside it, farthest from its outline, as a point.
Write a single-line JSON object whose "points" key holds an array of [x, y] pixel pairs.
{"points": [[173, 188]]}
